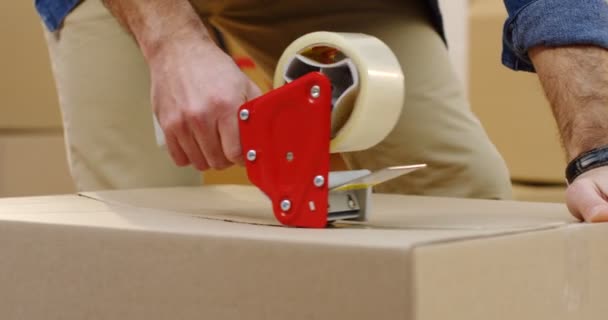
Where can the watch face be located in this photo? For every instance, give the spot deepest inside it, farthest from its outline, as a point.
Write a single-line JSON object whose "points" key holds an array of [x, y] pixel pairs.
{"points": [[587, 160]]}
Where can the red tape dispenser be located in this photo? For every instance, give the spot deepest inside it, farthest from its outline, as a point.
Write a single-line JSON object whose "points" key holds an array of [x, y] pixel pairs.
{"points": [[285, 137], [327, 100]]}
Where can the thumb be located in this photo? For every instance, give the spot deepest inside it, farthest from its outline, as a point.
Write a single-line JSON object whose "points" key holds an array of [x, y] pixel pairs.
{"points": [[586, 201], [599, 213], [230, 128]]}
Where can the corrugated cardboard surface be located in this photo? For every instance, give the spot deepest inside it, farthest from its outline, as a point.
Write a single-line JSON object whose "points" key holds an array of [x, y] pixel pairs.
{"points": [[171, 254], [549, 274], [511, 105], [27, 90]]}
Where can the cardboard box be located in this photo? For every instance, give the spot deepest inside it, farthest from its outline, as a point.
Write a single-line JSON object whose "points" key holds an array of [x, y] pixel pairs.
{"points": [[213, 252], [511, 105], [28, 99], [34, 163]]}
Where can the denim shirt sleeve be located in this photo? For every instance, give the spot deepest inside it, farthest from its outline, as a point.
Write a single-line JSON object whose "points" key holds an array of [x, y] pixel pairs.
{"points": [[53, 12], [551, 23]]}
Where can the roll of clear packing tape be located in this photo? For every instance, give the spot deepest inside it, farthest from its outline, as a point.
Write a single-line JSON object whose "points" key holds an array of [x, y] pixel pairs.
{"points": [[368, 87]]}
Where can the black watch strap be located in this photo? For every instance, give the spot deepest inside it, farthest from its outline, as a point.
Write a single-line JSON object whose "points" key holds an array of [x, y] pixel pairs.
{"points": [[591, 159]]}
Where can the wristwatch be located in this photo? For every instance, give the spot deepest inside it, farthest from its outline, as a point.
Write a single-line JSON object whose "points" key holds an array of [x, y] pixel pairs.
{"points": [[586, 161]]}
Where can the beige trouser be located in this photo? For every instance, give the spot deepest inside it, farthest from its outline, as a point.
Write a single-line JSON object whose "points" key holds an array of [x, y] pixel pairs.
{"points": [[103, 87]]}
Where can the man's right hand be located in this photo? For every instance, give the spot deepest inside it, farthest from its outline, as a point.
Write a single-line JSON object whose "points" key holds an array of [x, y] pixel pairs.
{"points": [[196, 92], [196, 89]]}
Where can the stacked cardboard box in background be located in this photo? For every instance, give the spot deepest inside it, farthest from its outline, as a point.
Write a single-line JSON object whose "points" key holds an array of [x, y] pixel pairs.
{"points": [[513, 109], [32, 154]]}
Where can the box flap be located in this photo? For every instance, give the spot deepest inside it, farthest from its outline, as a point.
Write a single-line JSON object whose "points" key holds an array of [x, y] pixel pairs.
{"points": [[249, 205], [426, 219], [397, 221]]}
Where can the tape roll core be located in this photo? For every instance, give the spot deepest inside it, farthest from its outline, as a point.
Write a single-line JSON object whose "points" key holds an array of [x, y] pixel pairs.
{"points": [[368, 84]]}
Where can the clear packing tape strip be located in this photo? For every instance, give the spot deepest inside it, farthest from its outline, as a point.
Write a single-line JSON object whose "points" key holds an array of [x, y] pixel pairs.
{"points": [[367, 79], [368, 85]]}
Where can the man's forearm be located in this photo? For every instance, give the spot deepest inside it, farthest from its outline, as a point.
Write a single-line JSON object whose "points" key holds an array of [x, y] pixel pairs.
{"points": [[153, 23], [575, 80]]}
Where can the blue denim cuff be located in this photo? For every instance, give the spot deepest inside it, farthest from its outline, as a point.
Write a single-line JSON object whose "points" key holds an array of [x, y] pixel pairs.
{"points": [[553, 23]]}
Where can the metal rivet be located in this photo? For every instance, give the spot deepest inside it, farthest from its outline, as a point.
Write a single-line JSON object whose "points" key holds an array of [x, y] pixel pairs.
{"points": [[251, 155], [319, 181], [285, 205], [311, 206], [351, 203], [289, 156], [315, 91], [244, 114]]}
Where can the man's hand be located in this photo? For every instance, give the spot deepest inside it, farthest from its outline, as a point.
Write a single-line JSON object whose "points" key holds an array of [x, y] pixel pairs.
{"points": [[196, 88], [575, 80], [587, 196], [196, 91]]}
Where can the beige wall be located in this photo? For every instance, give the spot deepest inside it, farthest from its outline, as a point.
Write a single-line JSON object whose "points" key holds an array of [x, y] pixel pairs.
{"points": [[32, 157], [28, 96]]}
